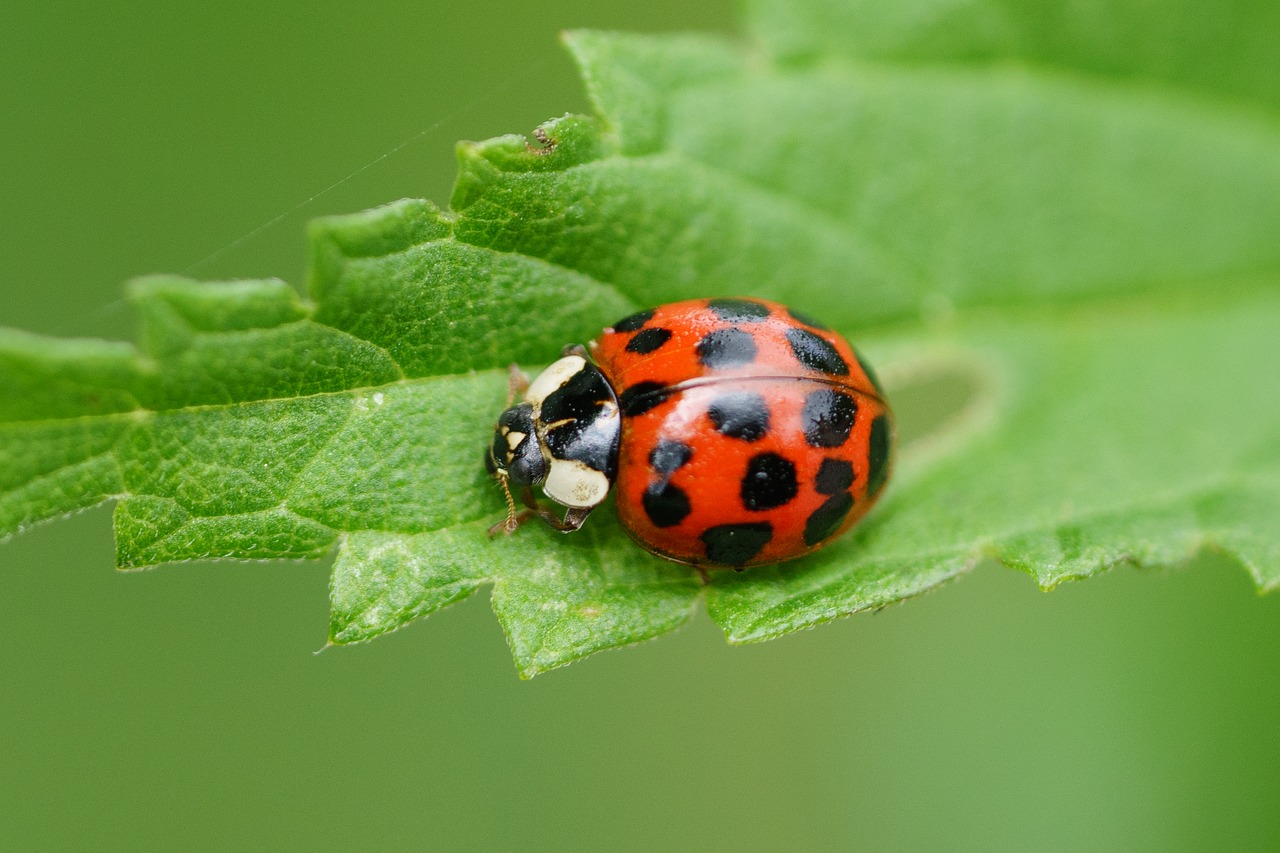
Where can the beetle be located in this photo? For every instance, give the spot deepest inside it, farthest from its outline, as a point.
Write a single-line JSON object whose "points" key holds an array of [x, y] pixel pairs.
{"points": [[733, 432]]}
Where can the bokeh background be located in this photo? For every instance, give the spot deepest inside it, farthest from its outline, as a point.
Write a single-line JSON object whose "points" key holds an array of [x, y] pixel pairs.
{"points": [[184, 707]]}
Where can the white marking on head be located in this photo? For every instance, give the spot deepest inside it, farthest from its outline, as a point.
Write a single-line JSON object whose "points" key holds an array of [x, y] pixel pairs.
{"points": [[514, 438], [571, 483], [554, 377]]}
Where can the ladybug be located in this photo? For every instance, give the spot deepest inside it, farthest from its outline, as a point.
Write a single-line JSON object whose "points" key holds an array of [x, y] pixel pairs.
{"points": [[735, 432]]}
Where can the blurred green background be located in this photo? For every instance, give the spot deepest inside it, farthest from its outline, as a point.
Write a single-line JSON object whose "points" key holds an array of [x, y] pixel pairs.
{"points": [[184, 707]]}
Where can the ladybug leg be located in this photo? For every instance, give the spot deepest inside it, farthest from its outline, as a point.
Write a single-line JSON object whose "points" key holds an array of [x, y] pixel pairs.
{"points": [[573, 516], [527, 498], [575, 349], [512, 523], [517, 383], [515, 520], [572, 521]]}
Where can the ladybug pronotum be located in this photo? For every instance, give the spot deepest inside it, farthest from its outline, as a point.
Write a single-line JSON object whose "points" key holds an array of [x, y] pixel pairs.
{"points": [[734, 432]]}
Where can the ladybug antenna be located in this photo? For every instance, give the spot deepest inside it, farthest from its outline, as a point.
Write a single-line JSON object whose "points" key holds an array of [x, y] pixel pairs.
{"points": [[511, 524]]}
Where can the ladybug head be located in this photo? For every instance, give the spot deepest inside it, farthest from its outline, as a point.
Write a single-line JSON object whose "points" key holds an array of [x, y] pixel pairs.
{"points": [[516, 454]]}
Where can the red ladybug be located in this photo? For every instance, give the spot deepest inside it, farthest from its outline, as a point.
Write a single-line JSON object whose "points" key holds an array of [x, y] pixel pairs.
{"points": [[736, 432]]}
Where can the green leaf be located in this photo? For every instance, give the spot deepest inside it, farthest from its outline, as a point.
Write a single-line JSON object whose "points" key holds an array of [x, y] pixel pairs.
{"points": [[1051, 229], [1223, 50]]}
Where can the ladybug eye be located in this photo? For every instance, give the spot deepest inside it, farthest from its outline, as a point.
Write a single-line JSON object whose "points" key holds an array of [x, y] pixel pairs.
{"points": [[528, 464]]}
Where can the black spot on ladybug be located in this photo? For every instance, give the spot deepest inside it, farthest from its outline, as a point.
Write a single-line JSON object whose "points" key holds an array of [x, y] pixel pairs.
{"points": [[726, 348], [827, 518], [738, 310], [642, 397], [816, 353], [648, 340], [835, 476], [770, 482], [878, 454], [828, 417], [633, 322], [866, 368], [669, 456], [665, 504], [742, 414], [736, 544], [807, 320]]}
